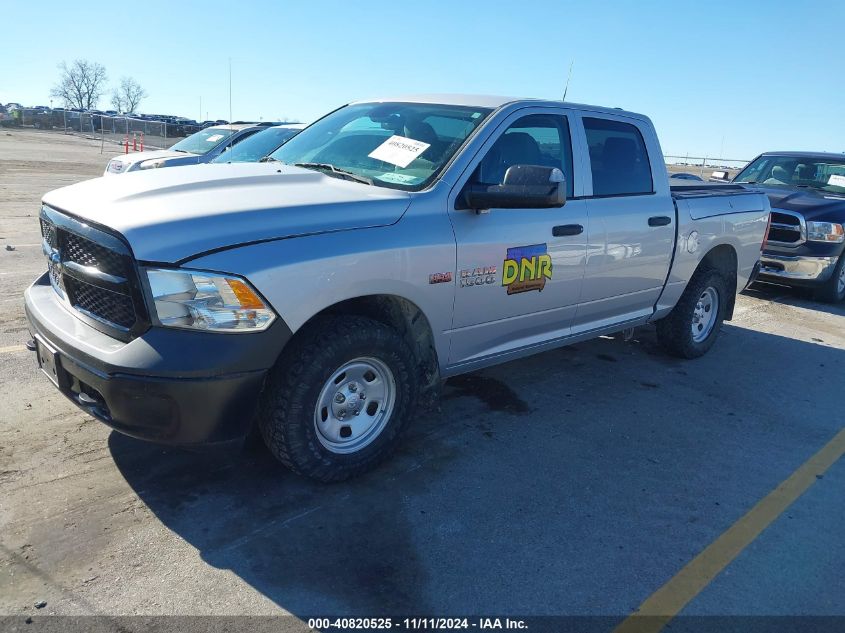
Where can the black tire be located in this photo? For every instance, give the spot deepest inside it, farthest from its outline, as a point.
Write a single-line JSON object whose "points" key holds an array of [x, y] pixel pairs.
{"points": [[289, 399], [674, 332], [830, 292]]}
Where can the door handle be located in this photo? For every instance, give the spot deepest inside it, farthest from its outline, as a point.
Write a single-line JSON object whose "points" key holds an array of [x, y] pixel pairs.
{"points": [[659, 220], [567, 229]]}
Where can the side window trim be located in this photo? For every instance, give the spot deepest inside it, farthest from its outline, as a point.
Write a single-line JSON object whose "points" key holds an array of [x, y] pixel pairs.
{"points": [[587, 160], [580, 174], [534, 127]]}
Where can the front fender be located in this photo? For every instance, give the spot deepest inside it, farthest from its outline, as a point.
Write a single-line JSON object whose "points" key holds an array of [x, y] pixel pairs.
{"points": [[303, 276]]}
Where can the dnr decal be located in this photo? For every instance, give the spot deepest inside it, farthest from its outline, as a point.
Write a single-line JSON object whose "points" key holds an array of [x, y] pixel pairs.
{"points": [[526, 268]]}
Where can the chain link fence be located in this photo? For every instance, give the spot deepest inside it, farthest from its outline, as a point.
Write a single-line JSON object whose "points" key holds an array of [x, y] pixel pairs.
{"points": [[703, 166], [153, 133]]}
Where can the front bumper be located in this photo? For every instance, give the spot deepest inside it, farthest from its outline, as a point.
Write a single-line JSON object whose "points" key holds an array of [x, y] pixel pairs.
{"points": [[168, 385], [796, 269]]}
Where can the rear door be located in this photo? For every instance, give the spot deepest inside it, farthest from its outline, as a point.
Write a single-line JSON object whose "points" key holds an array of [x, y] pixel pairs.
{"points": [[630, 221], [519, 271]]}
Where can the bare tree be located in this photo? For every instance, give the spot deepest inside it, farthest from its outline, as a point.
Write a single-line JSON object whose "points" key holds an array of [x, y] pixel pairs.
{"points": [[128, 95], [81, 84]]}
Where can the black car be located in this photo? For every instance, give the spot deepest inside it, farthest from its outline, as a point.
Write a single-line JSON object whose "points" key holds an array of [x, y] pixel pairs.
{"points": [[806, 237], [685, 176], [259, 145]]}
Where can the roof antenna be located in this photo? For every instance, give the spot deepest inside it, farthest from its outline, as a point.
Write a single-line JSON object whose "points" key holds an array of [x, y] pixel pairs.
{"points": [[230, 92], [565, 90]]}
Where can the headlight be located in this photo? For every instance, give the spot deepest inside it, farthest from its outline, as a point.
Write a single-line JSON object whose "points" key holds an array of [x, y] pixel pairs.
{"points": [[825, 232], [201, 300], [151, 164]]}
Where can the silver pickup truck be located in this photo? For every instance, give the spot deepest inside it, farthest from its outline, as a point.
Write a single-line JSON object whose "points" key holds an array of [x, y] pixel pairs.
{"points": [[323, 295]]}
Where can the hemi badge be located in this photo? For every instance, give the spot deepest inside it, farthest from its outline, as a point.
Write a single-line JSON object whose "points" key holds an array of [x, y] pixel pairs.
{"points": [[440, 278]]}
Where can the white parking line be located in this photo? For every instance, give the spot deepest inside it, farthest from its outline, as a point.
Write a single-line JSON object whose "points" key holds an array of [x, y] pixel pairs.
{"points": [[12, 349]]}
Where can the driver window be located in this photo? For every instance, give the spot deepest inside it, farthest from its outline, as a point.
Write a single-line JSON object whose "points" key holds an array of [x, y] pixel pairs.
{"points": [[537, 139]]}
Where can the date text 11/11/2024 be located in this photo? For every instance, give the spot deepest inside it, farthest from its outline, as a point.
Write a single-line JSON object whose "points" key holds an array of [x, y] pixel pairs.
{"points": [[417, 624]]}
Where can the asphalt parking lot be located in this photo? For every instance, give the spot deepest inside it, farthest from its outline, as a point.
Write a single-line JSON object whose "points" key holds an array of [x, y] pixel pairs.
{"points": [[577, 482]]}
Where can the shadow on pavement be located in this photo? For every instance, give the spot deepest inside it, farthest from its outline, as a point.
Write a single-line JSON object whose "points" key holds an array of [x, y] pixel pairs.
{"points": [[608, 466], [790, 295]]}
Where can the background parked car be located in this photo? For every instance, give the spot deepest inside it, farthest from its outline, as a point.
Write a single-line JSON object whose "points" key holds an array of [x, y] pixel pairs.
{"points": [[807, 237], [259, 145], [201, 147]]}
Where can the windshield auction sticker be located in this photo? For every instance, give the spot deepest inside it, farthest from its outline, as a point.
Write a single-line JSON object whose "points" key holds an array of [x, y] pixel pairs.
{"points": [[836, 180], [399, 151]]}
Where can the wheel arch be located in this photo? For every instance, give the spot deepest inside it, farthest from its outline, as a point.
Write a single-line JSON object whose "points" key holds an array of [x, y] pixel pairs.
{"points": [[723, 258], [405, 316]]}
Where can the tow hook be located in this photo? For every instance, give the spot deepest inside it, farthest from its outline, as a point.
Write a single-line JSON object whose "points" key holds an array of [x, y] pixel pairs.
{"points": [[86, 400], [30, 345]]}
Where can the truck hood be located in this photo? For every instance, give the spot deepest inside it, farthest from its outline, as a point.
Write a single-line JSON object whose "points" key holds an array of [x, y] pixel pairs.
{"points": [[137, 157], [810, 203], [170, 215]]}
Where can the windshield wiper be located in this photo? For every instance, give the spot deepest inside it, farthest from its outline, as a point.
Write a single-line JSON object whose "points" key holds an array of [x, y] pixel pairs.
{"points": [[267, 159], [343, 173], [184, 151]]}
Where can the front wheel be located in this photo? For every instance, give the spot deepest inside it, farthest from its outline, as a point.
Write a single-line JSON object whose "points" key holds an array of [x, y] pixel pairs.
{"points": [[693, 325], [338, 400]]}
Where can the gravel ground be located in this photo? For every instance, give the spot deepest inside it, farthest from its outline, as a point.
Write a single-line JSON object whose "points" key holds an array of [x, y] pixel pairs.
{"points": [[575, 482]]}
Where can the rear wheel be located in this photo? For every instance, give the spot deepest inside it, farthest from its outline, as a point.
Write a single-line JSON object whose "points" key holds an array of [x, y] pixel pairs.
{"points": [[833, 290], [338, 400], [693, 325]]}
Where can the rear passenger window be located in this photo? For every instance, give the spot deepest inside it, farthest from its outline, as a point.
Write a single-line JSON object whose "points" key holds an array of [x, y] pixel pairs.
{"points": [[618, 158], [536, 139]]}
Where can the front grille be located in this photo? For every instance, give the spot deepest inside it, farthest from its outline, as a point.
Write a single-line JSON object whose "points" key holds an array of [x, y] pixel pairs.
{"points": [[113, 307], [48, 232], [94, 273], [786, 228], [87, 253]]}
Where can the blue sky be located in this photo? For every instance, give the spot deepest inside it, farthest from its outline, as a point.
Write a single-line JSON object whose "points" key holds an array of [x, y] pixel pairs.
{"points": [[735, 78]]}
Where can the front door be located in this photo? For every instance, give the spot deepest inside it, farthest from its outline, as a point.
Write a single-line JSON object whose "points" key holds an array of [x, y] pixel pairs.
{"points": [[519, 271]]}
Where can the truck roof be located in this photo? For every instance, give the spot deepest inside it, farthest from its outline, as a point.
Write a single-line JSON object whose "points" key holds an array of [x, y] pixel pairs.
{"points": [[832, 155], [234, 126], [492, 101]]}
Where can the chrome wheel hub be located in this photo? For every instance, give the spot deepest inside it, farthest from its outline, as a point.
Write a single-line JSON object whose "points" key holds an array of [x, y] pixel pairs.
{"points": [[704, 314], [354, 405]]}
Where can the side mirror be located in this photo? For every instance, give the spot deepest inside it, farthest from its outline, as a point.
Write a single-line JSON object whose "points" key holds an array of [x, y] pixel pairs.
{"points": [[720, 176], [524, 187]]}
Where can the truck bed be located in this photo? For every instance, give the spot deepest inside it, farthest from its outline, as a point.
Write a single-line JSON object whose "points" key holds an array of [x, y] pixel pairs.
{"points": [[703, 200], [704, 189]]}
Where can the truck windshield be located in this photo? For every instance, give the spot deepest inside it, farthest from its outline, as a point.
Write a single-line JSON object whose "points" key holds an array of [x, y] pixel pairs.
{"points": [[812, 172], [395, 145], [256, 147], [203, 141]]}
